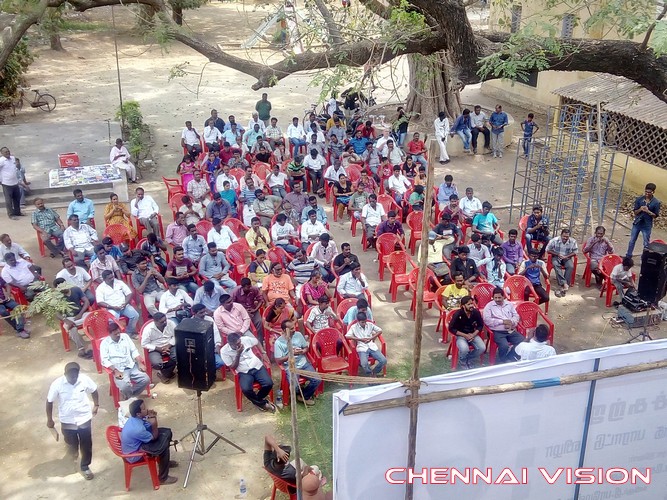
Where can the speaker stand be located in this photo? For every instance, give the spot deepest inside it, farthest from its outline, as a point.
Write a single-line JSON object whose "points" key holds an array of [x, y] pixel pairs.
{"points": [[198, 435], [643, 335]]}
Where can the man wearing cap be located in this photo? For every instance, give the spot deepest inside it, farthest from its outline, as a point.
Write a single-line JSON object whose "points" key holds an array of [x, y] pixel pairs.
{"points": [[221, 235], [130, 258], [71, 392], [158, 338], [118, 353]]}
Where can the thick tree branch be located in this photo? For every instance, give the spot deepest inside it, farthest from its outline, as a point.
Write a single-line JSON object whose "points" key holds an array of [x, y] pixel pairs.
{"points": [[378, 8], [332, 27]]}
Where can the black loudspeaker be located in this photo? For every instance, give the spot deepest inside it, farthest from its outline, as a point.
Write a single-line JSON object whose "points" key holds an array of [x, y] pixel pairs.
{"points": [[195, 354], [652, 284]]}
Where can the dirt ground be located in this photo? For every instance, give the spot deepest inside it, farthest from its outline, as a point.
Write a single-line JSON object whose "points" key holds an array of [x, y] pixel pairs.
{"points": [[83, 78]]}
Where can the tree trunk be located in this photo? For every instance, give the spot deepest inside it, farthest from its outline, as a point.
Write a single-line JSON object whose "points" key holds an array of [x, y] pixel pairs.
{"points": [[145, 17], [177, 15], [54, 41], [434, 87]]}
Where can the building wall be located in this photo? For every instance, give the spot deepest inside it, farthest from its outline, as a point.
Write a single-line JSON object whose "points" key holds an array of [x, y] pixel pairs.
{"points": [[640, 173]]}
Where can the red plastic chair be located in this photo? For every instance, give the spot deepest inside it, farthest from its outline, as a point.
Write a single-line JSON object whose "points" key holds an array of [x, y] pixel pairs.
{"points": [[530, 315], [388, 203], [238, 174], [237, 227], [278, 254], [285, 386], [344, 306], [118, 234], [141, 228], [203, 227], [385, 244], [550, 266], [428, 297], [262, 170], [238, 394], [515, 289], [330, 351], [236, 255], [281, 485], [482, 294], [175, 189], [113, 438], [96, 328], [354, 356], [606, 266], [397, 263], [414, 222], [441, 304]]}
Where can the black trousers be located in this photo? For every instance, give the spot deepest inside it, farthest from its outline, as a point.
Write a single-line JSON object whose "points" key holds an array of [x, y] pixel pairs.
{"points": [[12, 199], [475, 132], [80, 439], [159, 447]]}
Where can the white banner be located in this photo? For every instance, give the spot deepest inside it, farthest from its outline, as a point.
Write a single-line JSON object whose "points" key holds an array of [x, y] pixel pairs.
{"points": [[516, 445]]}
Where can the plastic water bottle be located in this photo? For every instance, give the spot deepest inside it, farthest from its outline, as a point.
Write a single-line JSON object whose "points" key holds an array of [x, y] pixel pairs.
{"points": [[243, 489], [279, 399]]}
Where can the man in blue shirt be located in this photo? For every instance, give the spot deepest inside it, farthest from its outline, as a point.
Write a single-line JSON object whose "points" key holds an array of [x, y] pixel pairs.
{"points": [[358, 143], [300, 347], [83, 207], [498, 122], [141, 433], [312, 205], [486, 223], [646, 209], [462, 127]]}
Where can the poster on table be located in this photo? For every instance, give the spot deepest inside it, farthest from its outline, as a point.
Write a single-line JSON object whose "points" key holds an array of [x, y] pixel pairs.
{"points": [[521, 445]]}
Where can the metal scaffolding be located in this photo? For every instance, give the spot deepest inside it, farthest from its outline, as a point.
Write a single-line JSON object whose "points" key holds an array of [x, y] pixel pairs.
{"points": [[575, 177]]}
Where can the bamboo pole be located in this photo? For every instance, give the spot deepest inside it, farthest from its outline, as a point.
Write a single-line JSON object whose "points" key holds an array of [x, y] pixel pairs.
{"points": [[294, 387], [419, 320], [387, 404]]}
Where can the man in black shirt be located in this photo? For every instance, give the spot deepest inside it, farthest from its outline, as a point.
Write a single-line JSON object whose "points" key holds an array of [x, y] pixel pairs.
{"points": [[343, 261], [467, 324], [276, 461], [128, 261], [446, 230], [75, 296], [462, 264]]}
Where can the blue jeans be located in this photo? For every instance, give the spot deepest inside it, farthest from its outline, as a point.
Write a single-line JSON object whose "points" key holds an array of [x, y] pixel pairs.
{"points": [[314, 381], [132, 318], [526, 145], [297, 143], [188, 286], [133, 383], [645, 229], [226, 283], [279, 191], [420, 159], [5, 307], [262, 377], [506, 342], [377, 356], [401, 139], [469, 354], [218, 361], [466, 137], [287, 247]]}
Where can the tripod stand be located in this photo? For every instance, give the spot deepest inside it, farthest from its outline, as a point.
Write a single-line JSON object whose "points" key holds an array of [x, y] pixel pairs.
{"points": [[198, 435], [643, 334]]}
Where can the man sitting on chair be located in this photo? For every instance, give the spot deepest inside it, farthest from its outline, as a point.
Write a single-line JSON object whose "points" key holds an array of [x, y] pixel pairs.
{"points": [[158, 338], [114, 296], [364, 334], [300, 347], [118, 353], [141, 432]]}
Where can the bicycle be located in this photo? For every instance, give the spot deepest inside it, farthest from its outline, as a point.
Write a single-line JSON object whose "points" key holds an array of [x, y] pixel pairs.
{"points": [[41, 100]]}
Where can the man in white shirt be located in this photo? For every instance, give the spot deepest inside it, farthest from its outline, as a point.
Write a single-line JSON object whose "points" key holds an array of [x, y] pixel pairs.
{"points": [[212, 136], [158, 337], [256, 121], [364, 334], [77, 276], [323, 253], [10, 184], [311, 230], [395, 155], [238, 355], [296, 134], [470, 205], [353, 285], [226, 176], [276, 181], [120, 158], [537, 347], [114, 296], [193, 211], [281, 232], [622, 278], [399, 184], [198, 188], [71, 392], [7, 245], [190, 140], [173, 300], [221, 235], [441, 125], [144, 208], [479, 252], [371, 216], [315, 164], [118, 354], [478, 120], [80, 239], [20, 273]]}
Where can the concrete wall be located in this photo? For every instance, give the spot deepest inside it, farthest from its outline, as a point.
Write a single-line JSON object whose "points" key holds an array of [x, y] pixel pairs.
{"points": [[640, 173]]}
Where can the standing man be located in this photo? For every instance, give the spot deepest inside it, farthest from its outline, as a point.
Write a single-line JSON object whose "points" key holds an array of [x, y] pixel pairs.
{"points": [[10, 184], [441, 125], [263, 108], [498, 122], [47, 223], [144, 208], [120, 157], [478, 123], [83, 207], [562, 250], [141, 432], [71, 392], [645, 210], [501, 318], [118, 353]]}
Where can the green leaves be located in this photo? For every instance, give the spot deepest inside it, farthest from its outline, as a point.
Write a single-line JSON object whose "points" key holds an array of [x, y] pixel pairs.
{"points": [[50, 303], [658, 41]]}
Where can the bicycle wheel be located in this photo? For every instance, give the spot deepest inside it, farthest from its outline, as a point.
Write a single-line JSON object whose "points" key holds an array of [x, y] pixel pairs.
{"points": [[47, 102]]}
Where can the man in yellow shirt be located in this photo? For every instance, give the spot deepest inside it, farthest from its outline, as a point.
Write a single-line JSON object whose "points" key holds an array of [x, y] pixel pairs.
{"points": [[258, 237], [455, 292]]}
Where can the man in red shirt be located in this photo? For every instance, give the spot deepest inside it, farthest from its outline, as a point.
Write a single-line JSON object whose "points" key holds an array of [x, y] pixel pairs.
{"points": [[367, 130], [417, 149]]}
